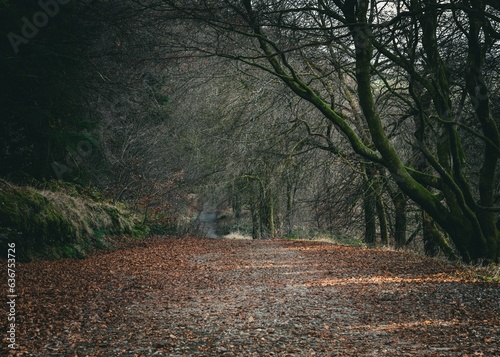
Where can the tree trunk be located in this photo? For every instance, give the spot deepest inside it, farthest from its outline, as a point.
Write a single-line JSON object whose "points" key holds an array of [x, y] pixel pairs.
{"points": [[235, 197], [255, 220], [478, 92], [369, 203], [380, 206], [456, 217], [267, 213], [289, 209], [434, 239], [370, 224], [429, 235], [400, 223]]}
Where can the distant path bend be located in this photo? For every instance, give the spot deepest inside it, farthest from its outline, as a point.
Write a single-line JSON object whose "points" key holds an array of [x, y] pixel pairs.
{"points": [[207, 221]]}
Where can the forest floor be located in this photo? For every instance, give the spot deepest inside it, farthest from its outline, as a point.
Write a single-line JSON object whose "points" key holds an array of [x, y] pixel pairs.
{"points": [[213, 297]]}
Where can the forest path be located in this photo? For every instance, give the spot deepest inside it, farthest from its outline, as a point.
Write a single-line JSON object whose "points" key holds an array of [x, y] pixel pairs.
{"points": [[207, 221], [204, 297]]}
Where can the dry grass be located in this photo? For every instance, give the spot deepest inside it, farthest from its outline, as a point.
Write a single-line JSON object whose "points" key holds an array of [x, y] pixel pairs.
{"points": [[236, 235], [60, 222]]}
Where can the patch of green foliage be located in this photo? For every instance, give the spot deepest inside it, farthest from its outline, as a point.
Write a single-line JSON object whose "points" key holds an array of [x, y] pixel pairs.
{"points": [[140, 231], [32, 221], [65, 221]]}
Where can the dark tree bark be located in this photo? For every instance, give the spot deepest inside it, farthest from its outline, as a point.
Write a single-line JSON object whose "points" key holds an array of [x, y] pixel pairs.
{"points": [[369, 208], [400, 221]]}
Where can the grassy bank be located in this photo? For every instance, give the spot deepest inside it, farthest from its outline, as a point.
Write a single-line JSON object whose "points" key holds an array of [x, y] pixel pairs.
{"points": [[60, 220]]}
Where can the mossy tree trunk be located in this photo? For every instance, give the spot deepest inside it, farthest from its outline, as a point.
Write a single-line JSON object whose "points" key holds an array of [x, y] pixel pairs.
{"points": [[480, 97]]}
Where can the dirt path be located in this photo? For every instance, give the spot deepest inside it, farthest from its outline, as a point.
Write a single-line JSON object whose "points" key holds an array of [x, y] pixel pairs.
{"points": [[206, 297], [207, 221]]}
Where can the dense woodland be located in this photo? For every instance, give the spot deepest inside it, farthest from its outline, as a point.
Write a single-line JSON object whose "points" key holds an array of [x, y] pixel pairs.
{"points": [[365, 119]]}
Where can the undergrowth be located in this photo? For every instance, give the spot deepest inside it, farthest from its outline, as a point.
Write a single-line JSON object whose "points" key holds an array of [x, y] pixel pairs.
{"points": [[60, 220]]}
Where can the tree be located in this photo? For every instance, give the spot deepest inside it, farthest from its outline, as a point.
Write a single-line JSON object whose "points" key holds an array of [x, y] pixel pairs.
{"points": [[398, 47]]}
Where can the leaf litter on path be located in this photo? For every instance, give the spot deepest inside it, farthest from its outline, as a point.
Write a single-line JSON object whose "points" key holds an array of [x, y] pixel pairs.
{"points": [[194, 296]]}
